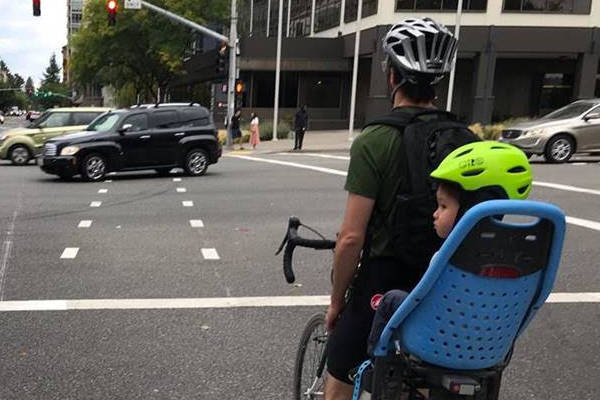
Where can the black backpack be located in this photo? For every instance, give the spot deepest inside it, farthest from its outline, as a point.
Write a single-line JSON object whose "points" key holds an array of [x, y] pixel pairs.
{"points": [[427, 138]]}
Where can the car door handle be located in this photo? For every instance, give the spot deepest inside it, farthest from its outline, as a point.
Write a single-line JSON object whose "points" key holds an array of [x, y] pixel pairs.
{"points": [[145, 137], [180, 134]]}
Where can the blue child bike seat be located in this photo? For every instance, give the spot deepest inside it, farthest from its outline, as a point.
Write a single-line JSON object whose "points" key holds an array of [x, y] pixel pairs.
{"points": [[482, 287]]}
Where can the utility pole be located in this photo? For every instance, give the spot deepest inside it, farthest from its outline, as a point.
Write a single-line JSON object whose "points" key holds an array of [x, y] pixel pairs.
{"points": [[233, 40], [453, 70], [355, 69], [278, 71]]}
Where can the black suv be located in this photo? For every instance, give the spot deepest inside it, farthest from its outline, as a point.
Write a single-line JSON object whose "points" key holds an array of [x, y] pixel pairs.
{"points": [[159, 137]]}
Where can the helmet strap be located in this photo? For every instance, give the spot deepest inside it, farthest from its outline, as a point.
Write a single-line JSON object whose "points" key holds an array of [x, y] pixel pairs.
{"points": [[395, 90]]}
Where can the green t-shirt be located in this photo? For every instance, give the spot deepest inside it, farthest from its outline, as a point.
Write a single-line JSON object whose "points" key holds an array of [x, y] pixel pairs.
{"points": [[375, 172]]}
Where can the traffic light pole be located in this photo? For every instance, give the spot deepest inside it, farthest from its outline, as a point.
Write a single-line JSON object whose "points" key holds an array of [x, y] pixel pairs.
{"points": [[232, 71], [231, 42]]}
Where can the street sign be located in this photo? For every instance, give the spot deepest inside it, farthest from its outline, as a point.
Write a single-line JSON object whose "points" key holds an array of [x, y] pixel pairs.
{"points": [[133, 4]]}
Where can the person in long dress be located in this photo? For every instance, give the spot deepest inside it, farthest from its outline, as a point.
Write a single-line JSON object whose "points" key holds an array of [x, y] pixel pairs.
{"points": [[254, 131]]}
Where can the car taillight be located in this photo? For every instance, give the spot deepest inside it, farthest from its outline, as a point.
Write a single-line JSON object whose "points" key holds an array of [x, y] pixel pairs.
{"points": [[502, 272]]}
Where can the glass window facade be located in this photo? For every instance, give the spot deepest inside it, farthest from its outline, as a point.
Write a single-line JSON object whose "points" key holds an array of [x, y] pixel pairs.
{"points": [[433, 5], [548, 6], [369, 7], [300, 18], [327, 14]]}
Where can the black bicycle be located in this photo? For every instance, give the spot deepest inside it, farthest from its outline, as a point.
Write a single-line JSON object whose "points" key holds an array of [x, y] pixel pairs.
{"points": [[309, 368]]}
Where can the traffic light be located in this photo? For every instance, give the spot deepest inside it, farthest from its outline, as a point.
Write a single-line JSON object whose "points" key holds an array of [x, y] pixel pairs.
{"points": [[112, 7], [239, 87], [222, 55], [37, 11]]}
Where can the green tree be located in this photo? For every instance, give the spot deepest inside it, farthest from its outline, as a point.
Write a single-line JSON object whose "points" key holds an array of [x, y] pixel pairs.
{"points": [[16, 80], [29, 88], [143, 50], [52, 74]]}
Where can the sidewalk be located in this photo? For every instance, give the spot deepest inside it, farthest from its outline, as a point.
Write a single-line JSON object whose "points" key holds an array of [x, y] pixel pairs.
{"points": [[314, 141]]}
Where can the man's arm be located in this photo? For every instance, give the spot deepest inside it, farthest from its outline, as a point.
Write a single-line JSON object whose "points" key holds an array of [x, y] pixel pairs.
{"points": [[347, 250]]}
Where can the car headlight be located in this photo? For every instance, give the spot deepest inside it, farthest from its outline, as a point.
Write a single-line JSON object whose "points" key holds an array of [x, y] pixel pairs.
{"points": [[534, 132], [69, 151], [2, 138]]}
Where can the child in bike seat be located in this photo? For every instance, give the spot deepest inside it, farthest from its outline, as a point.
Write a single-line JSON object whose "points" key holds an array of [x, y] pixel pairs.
{"points": [[469, 175]]}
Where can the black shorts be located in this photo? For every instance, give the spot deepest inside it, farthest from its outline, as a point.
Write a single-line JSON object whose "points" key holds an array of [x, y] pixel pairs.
{"points": [[347, 347]]}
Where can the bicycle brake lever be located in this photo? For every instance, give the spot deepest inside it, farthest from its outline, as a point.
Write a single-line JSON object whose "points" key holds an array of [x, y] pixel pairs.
{"points": [[285, 239]]}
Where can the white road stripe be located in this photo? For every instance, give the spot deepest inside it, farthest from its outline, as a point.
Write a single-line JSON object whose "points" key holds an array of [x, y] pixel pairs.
{"points": [[108, 181], [290, 164], [586, 223], [187, 203], [217, 302], [210, 254], [176, 179], [346, 158], [567, 187], [70, 252], [102, 191], [196, 223], [181, 190], [572, 220], [95, 204], [85, 223]]}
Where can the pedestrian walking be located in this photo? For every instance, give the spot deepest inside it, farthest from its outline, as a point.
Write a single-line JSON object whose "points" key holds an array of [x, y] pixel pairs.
{"points": [[254, 131], [235, 127], [300, 124]]}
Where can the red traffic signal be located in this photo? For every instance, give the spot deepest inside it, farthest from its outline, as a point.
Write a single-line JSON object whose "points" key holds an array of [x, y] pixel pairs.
{"points": [[112, 7], [36, 8]]}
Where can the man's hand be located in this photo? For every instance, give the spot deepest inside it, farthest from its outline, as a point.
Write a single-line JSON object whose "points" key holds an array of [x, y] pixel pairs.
{"points": [[331, 317]]}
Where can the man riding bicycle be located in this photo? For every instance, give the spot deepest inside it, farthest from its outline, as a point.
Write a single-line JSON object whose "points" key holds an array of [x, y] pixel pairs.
{"points": [[418, 54]]}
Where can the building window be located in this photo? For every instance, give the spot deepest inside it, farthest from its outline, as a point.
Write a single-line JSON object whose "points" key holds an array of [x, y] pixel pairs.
{"points": [[556, 91], [275, 18], [300, 18], [323, 91], [369, 7], [434, 5], [76, 17], [263, 90], [327, 14], [548, 6]]}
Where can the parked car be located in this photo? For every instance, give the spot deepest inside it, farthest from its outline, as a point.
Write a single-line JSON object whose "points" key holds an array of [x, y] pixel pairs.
{"points": [[22, 144], [160, 138], [572, 129]]}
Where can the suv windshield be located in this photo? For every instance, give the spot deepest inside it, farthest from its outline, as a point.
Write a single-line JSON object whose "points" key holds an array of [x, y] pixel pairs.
{"points": [[103, 123], [570, 111]]}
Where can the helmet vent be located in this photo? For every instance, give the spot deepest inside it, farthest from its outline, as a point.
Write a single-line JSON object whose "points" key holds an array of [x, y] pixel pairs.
{"points": [[473, 172], [522, 189], [517, 169], [463, 153], [499, 148]]}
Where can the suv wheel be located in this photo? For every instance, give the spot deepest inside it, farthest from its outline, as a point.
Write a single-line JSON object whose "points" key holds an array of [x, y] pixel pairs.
{"points": [[559, 149], [93, 167], [19, 155], [196, 162]]}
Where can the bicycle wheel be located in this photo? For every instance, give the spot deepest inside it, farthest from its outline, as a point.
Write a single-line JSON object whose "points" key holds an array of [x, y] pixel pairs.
{"points": [[310, 371]]}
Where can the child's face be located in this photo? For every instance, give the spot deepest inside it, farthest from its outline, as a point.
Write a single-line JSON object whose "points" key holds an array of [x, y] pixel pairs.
{"points": [[445, 214]]}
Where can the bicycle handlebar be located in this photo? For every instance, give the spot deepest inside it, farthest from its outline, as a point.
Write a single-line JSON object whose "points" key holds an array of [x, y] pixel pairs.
{"points": [[291, 240]]}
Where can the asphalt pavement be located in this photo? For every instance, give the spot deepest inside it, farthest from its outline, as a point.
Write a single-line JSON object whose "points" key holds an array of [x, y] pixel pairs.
{"points": [[143, 242]]}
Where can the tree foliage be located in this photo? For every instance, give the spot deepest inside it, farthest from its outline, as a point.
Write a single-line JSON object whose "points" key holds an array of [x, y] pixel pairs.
{"points": [[143, 50], [10, 98], [52, 74], [60, 92]]}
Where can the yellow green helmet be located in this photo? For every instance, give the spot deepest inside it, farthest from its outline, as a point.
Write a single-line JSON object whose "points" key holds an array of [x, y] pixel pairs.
{"points": [[487, 164]]}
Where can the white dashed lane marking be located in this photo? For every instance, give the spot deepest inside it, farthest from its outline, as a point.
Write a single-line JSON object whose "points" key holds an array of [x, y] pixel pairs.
{"points": [[584, 223], [210, 254], [103, 191], [181, 190], [108, 181], [176, 179], [196, 223], [95, 204], [70, 253], [86, 223], [187, 203]]}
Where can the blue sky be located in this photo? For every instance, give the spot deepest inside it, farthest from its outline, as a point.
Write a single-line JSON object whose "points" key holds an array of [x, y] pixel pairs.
{"points": [[27, 42]]}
